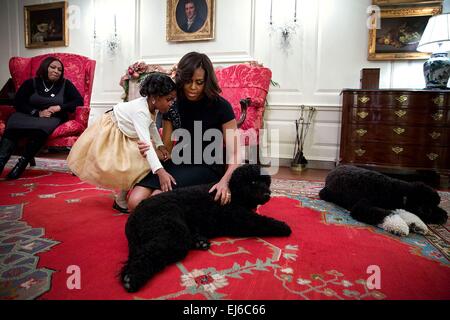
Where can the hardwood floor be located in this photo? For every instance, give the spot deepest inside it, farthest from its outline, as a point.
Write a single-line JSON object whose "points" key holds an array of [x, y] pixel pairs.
{"points": [[308, 174]]}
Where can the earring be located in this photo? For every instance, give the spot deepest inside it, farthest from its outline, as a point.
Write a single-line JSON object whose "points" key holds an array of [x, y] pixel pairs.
{"points": [[153, 102]]}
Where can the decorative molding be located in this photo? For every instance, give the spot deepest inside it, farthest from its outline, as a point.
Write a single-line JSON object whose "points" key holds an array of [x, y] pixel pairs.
{"points": [[8, 4], [319, 37], [252, 29], [216, 58], [285, 91], [99, 105], [11, 24], [327, 92], [290, 107], [137, 29]]}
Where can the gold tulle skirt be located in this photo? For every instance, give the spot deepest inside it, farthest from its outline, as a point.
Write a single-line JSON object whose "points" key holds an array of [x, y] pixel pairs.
{"points": [[105, 157]]}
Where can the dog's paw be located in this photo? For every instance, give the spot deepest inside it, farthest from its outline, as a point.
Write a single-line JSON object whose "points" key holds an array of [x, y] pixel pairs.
{"points": [[438, 216], [128, 283], [201, 243], [395, 224], [281, 229], [414, 223], [128, 280]]}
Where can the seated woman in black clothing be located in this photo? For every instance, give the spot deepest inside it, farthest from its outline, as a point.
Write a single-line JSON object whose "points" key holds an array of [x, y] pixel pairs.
{"points": [[42, 104], [200, 109]]}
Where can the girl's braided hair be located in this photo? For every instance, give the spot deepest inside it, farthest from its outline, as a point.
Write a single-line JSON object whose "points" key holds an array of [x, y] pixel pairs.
{"points": [[156, 84]]}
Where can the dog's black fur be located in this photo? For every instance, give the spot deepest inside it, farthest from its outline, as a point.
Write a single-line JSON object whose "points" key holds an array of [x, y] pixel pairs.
{"points": [[163, 228], [370, 195]]}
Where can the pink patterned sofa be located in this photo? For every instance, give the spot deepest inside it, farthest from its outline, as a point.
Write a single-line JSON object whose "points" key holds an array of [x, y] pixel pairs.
{"points": [[79, 70]]}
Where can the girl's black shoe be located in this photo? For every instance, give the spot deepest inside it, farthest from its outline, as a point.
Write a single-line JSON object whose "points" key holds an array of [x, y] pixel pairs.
{"points": [[119, 208]]}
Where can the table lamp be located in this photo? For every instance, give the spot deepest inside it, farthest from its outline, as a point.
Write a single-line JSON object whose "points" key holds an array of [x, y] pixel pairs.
{"points": [[436, 40]]}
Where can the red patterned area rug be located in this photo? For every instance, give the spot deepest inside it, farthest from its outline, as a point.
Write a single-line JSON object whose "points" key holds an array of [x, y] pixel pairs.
{"points": [[52, 224]]}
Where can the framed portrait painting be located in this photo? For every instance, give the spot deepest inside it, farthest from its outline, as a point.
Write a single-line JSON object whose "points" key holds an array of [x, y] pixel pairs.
{"points": [[46, 25], [399, 33], [190, 20]]}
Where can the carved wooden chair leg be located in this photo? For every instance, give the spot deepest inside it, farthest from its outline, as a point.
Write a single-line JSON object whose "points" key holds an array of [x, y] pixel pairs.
{"points": [[244, 105]]}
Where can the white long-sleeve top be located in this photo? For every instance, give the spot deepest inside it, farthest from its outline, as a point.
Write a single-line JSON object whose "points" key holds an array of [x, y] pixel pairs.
{"points": [[135, 121]]}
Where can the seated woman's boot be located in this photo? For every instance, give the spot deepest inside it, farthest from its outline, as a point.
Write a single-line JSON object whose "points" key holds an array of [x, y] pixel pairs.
{"points": [[18, 169], [31, 150], [6, 148]]}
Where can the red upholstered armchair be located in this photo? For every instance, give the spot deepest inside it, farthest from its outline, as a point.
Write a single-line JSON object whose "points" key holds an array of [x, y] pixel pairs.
{"points": [[79, 70], [246, 86]]}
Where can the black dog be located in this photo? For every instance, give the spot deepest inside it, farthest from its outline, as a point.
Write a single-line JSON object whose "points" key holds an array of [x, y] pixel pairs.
{"points": [[372, 198], [163, 228]]}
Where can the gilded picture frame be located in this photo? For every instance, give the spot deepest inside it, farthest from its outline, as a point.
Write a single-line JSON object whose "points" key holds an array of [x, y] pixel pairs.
{"points": [[199, 27], [399, 33], [404, 2], [46, 25]]}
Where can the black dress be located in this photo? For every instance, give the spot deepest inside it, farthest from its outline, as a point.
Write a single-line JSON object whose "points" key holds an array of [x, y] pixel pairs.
{"points": [[195, 171], [32, 98]]}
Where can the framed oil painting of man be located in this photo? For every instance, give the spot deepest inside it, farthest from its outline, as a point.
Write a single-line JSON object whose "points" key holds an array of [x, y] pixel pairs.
{"points": [[46, 25], [190, 20], [399, 32]]}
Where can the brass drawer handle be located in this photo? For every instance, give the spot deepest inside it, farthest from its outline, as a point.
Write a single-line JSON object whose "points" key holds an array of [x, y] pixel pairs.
{"points": [[402, 99], [439, 101], [400, 113], [432, 156], [360, 152], [364, 99], [438, 116], [361, 132], [399, 131], [434, 135], [362, 114], [397, 150]]}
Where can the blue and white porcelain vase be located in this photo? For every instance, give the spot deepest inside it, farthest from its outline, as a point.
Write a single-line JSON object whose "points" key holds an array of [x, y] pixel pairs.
{"points": [[437, 71]]}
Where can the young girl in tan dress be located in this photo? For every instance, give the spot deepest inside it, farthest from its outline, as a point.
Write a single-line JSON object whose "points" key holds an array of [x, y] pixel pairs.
{"points": [[107, 155]]}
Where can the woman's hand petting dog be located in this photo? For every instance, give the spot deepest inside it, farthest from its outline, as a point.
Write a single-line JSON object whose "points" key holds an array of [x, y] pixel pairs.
{"points": [[165, 180], [222, 192]]}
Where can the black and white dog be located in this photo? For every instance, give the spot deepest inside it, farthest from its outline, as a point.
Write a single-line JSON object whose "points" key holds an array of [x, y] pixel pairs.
{"points": [[371, 197], [163, 228]]}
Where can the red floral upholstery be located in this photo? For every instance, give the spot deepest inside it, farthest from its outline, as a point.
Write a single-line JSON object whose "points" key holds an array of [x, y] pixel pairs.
{"points": [[246, 81], [79, 70]]}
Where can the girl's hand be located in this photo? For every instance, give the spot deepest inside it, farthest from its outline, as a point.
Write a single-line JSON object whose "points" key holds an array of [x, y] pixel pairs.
{"points": [[160, 155], [222, 192], [165, 155], [165, 180], [143, 148]]}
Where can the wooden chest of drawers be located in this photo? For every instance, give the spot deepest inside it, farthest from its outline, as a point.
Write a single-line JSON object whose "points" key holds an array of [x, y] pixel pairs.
{"points": [[404, 129]]}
